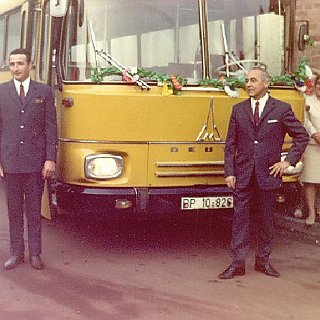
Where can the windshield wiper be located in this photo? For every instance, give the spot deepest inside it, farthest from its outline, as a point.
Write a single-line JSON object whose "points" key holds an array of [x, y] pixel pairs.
{"points": [[107, 57]]}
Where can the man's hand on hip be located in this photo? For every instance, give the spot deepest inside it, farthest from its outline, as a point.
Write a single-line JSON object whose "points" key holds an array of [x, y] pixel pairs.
{"points": [[278, 168]]}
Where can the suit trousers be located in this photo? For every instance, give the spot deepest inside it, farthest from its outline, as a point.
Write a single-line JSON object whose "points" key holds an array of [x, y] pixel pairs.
{"points": [[252, 206], [24, 193]]}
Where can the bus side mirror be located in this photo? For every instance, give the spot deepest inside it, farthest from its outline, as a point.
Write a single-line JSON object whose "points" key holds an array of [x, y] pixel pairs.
{"points": [[303, 35], [58, 8]]}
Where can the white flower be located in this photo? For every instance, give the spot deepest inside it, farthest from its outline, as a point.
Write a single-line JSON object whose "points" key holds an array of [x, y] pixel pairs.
{"points": [[309, 72], [133, 70], [230, 93], [302, 89]]}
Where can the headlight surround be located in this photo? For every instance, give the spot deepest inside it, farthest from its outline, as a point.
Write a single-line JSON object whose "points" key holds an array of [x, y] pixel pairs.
{"points": [[292, 170], [103, 166]]}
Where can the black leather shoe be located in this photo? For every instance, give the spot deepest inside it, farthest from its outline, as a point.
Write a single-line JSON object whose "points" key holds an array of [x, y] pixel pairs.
{"points": [[231, 272], [36, 262], [266, 269], [13, 262]]}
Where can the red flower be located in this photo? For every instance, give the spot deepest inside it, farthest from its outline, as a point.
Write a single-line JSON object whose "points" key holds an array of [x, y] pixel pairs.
{"points": [[176, 84]]}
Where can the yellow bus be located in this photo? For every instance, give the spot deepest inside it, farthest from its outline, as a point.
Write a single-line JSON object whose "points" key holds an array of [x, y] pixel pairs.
{"points": [[144, 91]]}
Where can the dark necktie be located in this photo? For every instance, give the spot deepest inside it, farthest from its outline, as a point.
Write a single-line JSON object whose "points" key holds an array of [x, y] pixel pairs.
{"points": [[22, 96], [256, 114]]}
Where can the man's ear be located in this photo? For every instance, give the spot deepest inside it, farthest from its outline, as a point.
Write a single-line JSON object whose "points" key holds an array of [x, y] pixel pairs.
{"points": [[267, 84]]}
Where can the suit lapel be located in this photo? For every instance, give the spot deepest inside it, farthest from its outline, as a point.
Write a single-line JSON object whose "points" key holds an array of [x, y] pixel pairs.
{"points": [[31, 93], [13, 93], [267, 108], [248, 109]]}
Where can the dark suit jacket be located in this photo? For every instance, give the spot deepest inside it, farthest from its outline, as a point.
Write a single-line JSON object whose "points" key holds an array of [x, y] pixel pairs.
{"points": [[252, 151], [28, 132]]}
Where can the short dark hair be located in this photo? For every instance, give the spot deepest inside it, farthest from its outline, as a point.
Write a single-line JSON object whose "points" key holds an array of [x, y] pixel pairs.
{"points": [[22, 51]]}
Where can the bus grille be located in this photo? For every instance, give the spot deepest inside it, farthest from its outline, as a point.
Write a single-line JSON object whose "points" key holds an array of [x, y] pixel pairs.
{"points": [[189, 169]]}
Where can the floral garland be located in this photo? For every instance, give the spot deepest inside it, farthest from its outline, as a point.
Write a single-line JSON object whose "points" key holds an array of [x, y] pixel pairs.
{"points": [[308, 40], [173, 84]]}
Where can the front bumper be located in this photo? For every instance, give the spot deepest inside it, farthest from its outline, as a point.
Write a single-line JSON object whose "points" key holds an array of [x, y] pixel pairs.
{"points": [[103, 201], [84, 200]]}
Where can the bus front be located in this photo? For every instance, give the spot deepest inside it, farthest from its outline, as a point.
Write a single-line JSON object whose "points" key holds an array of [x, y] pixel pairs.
{"points": [[143, 109]]}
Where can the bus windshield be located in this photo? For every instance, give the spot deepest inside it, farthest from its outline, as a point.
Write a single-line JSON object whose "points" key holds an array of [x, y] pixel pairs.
{"points": [[164, 36], [255, 32]]}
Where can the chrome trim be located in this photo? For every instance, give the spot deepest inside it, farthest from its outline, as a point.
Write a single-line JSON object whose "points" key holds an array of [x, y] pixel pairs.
{"points": [[203, 25], [189, 164], [188, 174], [141, 142], [101, 141], [148, 142]]}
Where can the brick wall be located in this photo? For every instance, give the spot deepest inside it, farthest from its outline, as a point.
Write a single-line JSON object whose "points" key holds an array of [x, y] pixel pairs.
{"points": [[310, 10]]}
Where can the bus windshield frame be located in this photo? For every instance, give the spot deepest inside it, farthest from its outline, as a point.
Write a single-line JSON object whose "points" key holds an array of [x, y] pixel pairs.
{"points": [[196, 39]]}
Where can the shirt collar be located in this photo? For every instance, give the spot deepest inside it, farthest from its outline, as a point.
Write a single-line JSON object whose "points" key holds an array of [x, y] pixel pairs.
{"points": [[262, 101], [26, 84]]}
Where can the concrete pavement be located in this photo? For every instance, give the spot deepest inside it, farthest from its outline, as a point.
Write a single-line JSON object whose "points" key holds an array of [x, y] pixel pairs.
{"points": [[296, 227]]}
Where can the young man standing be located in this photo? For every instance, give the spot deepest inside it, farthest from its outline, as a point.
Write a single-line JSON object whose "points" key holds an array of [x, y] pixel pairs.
{"points": [[28, 132]]}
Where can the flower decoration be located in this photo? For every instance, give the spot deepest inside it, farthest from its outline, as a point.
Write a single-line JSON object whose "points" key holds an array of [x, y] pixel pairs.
{"points": [[166, 91], [308, 40], [283, 80], [98, 73], [303, 77], [173, 84], [176, 84], [231, 92], [126, 75], [309, 86]]}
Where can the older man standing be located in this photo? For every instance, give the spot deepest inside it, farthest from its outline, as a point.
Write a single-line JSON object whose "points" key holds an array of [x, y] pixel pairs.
{"points": [[253, 167], [28, 133]]}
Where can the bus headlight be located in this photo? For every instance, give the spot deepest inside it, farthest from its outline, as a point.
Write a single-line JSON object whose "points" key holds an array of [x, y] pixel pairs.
{"points": [[297, 169], [103, 166]]}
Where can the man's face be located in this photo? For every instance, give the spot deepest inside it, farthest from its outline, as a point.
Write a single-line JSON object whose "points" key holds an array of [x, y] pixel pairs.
{"points": [[256, 87], [19, 67]]}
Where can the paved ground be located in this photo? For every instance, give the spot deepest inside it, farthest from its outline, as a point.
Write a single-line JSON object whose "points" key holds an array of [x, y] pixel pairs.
{"points": [[165, 270], [296, 227]]}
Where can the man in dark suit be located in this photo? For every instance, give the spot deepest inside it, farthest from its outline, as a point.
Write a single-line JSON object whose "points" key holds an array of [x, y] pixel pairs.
{"points": [[28, 133], [253, 168]]}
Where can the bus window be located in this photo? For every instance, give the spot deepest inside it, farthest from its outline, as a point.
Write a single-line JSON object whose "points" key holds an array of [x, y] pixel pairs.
{"points": [[164, 39], [22, 32], [14, 35], [1, 40], [45, 40], [253, 32], [33, 37]]}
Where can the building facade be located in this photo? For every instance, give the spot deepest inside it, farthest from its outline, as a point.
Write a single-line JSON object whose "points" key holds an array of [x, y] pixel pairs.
{"points": [[310, 11]]}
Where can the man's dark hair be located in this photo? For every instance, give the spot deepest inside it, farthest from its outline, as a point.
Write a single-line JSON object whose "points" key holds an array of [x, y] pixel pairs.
{"points": [[22, 51]]}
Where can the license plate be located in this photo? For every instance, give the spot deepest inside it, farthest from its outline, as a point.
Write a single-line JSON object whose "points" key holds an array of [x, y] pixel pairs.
{"points": [[188, 203]]}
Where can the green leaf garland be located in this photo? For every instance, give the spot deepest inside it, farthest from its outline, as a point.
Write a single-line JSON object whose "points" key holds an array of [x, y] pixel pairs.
{"points": [[299, 76]]}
